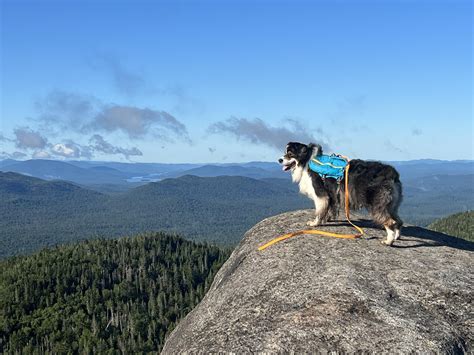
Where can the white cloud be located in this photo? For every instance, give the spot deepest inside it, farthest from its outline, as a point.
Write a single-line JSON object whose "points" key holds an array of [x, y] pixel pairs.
{"points": [[64, 150], [71, 149], [41, 154]]}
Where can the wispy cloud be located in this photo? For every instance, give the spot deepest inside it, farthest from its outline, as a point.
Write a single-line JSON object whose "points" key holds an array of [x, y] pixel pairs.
{"points": [[132, 82], [14, 155], [185, 103], [61, 113], [392, 147], [99, 144], [3, 138], [348, 108], [137, 122], [71, 112], [66, 110], [257, 131], [125, 81], [26, 138]]}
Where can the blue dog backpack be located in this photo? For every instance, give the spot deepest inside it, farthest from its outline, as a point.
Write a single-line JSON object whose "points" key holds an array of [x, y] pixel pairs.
{"points": [[328, 166]]}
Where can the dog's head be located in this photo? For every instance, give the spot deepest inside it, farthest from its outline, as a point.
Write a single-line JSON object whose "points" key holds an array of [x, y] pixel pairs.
{"points": [[298, 155]]}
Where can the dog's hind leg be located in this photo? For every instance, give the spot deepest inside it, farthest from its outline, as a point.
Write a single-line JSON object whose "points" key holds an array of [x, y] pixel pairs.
{"points": [[398, 226], [390, 221], [384, 210], [391, 234], [394, 205], [393, 226], [384, 219]]}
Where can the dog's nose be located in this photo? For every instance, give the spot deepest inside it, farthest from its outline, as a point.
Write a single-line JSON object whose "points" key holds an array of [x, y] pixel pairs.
{"points": [[280, 160]]}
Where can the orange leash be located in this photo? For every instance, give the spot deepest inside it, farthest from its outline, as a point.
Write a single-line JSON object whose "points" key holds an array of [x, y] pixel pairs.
{"points": [[324, 233]]}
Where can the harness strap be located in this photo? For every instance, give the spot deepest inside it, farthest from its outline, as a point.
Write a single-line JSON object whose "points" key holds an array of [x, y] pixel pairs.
{"points": [[347, 207], [320, 232]]}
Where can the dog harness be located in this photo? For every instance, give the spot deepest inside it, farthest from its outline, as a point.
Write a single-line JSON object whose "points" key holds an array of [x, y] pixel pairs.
{"points": [[329, 166]]}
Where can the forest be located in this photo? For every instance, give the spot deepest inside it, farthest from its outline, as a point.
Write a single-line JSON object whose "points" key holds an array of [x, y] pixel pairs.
{"points": [[103, 296], [35, 213], [460, 225]]}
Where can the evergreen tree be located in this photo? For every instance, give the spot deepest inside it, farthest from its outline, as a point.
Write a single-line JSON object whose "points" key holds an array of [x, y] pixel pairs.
{"points": [[459, 225]]}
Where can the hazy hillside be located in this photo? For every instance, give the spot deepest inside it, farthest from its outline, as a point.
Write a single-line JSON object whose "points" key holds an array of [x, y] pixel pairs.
{"points": [[254, 172], [426, 167], [135, 168], [216, 209], [429, 198], [59, 170], [460, 225], [5, 162], [18, 187], [437, 182], [106, 295], [35, 213]]}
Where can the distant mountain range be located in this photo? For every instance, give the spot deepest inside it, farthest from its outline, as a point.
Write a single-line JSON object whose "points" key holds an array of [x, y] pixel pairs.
{"points": [[36, 213], [254, 172], [98, 200], [98, 174], [105, 174], [413, 169]]}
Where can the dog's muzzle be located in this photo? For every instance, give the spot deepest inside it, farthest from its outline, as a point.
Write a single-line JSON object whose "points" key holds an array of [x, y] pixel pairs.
{"points": [[287, 164]]}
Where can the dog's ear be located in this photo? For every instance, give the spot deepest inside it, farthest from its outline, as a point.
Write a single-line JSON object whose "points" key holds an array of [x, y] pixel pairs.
{"points": [[316, 148]]}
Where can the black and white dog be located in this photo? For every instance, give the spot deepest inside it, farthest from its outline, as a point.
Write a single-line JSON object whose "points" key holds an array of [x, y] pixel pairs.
{"points": [[372, 185]]}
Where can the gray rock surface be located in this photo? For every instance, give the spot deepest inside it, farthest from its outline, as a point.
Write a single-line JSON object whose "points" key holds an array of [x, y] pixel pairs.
{"points": [[320, 294]]}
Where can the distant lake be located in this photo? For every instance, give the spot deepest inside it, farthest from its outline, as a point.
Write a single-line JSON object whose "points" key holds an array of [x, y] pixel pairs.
{"points": [[145, 178]]}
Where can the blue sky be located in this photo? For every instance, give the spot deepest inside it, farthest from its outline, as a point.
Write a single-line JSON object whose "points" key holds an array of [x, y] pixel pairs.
{"points": [[232, 81]]}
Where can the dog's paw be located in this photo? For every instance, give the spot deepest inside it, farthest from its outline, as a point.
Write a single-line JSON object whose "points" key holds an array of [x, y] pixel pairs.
{"points": [[386, 242], [313, 223]]}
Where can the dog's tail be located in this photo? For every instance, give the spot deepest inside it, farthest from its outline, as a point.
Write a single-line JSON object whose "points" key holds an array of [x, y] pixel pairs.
{"points": [[397, 190]]}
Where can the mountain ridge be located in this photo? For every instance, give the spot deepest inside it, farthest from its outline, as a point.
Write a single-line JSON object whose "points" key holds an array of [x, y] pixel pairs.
{"points": [[133, 173], [219, 209]]}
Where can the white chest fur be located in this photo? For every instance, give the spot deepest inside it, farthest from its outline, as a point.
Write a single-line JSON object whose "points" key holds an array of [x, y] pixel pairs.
{"points": [[306, 184]]}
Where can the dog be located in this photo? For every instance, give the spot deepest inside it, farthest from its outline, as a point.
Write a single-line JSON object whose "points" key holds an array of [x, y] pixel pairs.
{"points": [[372, 185]]}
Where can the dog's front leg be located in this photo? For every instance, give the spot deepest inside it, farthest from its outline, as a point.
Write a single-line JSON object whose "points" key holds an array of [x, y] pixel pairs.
{"points": [[321, 205]]}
